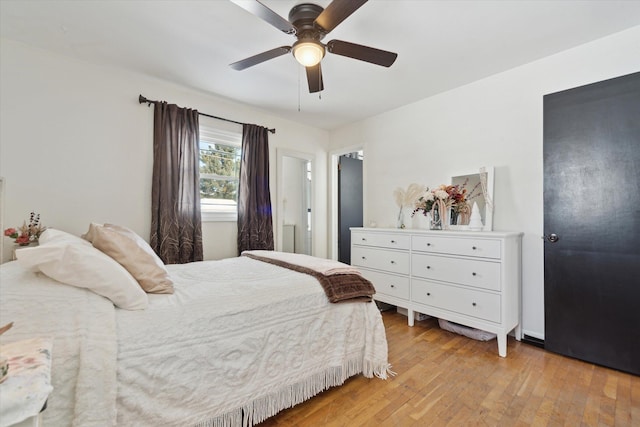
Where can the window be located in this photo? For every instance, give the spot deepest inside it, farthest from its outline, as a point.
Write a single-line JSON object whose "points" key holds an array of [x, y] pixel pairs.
{"points": [[219, 173]]}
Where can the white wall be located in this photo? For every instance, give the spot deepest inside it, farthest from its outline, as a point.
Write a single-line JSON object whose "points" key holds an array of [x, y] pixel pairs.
{"points": [[495, 121], [76, 147]]}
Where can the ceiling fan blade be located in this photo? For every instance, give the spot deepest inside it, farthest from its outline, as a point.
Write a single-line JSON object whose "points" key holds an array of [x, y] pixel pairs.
{"points": [[336, 12], [363, 53], [261, 57], [314, 78], [266, 14]]}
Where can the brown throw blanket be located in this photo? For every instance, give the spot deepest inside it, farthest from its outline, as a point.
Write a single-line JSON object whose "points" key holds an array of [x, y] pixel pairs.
{"points": [[337, 287]]}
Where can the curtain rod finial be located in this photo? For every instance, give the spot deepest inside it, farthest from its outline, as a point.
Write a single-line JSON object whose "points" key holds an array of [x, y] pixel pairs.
{"points": [[142, 100]]}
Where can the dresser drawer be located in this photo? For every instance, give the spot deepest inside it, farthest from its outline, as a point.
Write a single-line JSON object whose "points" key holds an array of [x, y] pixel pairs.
{"points": [[381, 240], [380, 259], [483, 305], [388, 284], [477, 247], [471, 272]]}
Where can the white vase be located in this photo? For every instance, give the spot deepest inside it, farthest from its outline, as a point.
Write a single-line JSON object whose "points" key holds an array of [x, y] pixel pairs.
{"points": [[422, 221], [400, 221]]}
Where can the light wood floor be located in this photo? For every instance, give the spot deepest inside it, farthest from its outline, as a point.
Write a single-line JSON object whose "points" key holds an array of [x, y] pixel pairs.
{"points": [[444, 379]]}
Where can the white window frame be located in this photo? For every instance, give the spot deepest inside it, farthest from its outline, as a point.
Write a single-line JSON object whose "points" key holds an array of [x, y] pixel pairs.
{"points": [[223, 137]]}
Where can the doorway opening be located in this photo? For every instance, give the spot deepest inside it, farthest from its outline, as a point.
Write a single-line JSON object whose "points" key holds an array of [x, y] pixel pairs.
{"points": [[294, 226]]}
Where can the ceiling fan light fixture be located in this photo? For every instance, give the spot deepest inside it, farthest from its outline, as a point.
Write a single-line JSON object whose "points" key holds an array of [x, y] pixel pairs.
{"points": [[308, 52]]}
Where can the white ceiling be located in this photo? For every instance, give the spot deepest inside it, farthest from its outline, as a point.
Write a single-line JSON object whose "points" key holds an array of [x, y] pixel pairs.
{"points": [[440, 45]]}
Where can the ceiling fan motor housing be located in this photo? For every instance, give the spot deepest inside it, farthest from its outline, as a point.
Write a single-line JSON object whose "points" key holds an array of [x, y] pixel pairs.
{"points": [[302, 16], [308, 50]]}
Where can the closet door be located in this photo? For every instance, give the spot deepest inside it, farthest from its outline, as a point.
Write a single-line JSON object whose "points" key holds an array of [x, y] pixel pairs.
{"points": [[592, 222]]}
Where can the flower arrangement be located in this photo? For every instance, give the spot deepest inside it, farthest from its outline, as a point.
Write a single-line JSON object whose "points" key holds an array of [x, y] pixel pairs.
{"points": [[448, 204], [405, 198], [424, 203], [443, 202], [27, 233], [432, 198], [461, 208]]}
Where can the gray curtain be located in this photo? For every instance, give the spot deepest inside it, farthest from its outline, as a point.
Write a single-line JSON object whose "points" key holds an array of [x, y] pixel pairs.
{"points": [[255, 225], [176, 229]]}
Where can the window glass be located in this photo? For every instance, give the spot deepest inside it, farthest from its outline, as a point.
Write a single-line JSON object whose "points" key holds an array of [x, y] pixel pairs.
{"points": [[219, 174]]}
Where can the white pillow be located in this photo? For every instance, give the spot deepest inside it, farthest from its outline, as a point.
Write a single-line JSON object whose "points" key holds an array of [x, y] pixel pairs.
{"points": [[74, 261]]}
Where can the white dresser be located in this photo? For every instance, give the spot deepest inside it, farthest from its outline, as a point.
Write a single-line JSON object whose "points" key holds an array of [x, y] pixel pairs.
{"points": [[470, 278]]}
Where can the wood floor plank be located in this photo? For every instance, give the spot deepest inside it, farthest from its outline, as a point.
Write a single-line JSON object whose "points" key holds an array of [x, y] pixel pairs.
{"points": [[635, 399], [623, 402], [444, 379]]}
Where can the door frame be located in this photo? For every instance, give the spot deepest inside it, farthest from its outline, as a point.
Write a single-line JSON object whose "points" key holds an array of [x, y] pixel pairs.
{"points": [[333, 191], [311, 158]]}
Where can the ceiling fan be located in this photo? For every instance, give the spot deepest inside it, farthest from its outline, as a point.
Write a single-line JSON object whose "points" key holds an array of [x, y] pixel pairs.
{"points": [[310, 23]]}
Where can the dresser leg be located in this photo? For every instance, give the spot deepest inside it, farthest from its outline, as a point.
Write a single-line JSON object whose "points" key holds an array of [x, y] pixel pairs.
{"points": [[502, 345], [410, 316]]}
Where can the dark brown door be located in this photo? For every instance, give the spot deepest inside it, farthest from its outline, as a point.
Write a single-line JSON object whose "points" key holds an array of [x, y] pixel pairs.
{"points": [[592, 222], [349, 203]]}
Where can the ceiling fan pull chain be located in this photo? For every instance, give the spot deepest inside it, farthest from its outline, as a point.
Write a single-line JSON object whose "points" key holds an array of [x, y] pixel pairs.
{"points": [[299, 89]]}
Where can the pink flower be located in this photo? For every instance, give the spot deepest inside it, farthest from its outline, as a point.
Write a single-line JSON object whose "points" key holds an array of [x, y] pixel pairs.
{"points": [[23, 238], [9, 232]]}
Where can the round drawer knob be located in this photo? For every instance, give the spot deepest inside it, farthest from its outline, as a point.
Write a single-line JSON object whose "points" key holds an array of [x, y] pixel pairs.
{"points": [[473, 304], [364, 257], [364, 240], [428, 294], [428, 244], [428, 267], [473, 274], [393, 241], [393, 286], [393, 262], [474, 248]]}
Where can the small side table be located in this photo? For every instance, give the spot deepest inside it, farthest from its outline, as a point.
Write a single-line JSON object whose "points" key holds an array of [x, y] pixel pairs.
{"points": [[27, 386]]}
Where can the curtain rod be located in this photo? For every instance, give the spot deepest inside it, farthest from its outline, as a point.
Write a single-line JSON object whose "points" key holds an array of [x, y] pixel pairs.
{"points": [[142, 100]]}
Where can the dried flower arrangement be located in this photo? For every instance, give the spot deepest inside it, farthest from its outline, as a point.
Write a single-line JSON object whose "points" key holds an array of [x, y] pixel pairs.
{"points": [[27, 233], [463, 200], [444, 198], [406, 198], [427, 201]]}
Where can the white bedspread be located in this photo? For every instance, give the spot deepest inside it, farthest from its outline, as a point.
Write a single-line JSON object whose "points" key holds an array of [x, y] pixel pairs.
{"points": [[83, 327], [258, 339], [239, 341]]}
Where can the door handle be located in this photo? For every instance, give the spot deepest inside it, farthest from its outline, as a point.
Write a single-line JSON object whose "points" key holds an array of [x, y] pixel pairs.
{"points": [[553, 237]]}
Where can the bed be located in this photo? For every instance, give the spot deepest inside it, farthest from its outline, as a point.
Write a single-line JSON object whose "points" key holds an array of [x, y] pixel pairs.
{"points": [[237, 341]]}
